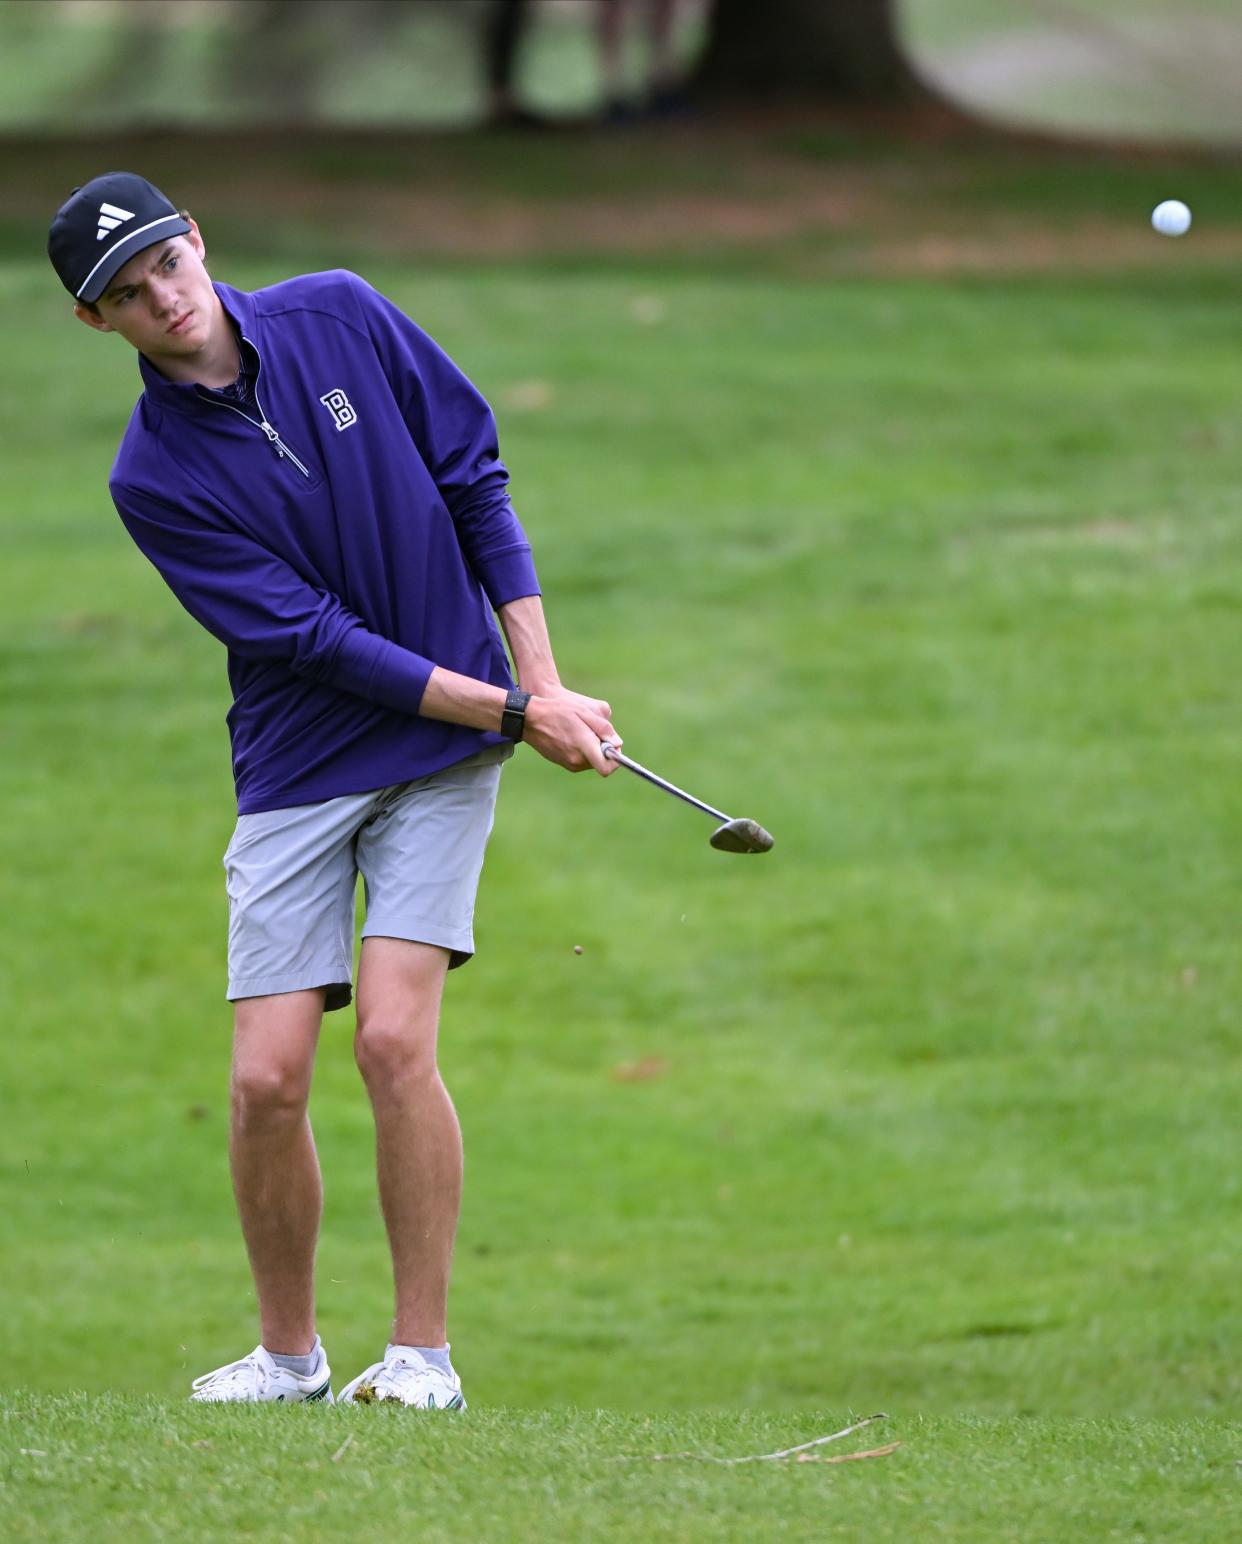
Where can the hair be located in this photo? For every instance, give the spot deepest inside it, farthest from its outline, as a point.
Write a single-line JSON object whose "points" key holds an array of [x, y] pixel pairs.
{"points": [[91, 305]]}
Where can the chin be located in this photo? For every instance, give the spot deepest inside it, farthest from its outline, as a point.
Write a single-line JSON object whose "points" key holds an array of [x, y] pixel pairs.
{"points": [[188, 341]]}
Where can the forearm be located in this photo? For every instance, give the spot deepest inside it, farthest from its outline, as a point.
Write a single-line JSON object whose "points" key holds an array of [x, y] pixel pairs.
{"points": [[459, 699], [527, 633], [561, 725]]}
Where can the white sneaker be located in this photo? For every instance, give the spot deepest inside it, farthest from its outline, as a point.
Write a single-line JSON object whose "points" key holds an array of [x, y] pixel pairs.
{"points": [[407, 1378], [258, 1377]]}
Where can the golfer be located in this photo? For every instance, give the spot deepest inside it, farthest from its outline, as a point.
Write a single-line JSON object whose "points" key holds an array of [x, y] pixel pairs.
{"points": [[321, 489]]}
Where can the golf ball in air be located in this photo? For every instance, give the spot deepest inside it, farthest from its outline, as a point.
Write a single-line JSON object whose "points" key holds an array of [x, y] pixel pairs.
{"points": [[1172, 218]]}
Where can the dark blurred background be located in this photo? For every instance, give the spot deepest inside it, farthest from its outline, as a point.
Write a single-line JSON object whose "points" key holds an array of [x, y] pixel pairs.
{"points": [[1144, 69]]}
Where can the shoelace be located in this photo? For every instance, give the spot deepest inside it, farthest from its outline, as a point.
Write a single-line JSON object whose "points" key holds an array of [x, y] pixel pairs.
{"points": [[401, 1371], [246, 1373]]}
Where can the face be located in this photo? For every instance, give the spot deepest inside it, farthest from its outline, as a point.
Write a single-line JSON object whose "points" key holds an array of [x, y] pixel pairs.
{"points": [[161, 301]]}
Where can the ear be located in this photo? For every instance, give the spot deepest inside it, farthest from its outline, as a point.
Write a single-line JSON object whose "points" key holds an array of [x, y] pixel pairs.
{"points": [[92, 319], [195, 237]]}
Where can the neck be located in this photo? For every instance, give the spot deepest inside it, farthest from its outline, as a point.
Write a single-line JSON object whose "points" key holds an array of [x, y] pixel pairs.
{"points": [[215, 364]]}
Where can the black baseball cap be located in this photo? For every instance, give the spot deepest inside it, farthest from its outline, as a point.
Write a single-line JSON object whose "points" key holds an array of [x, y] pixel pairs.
{"points": [[105, 223]]}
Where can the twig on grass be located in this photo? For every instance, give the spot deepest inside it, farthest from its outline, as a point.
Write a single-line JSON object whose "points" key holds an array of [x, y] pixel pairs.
{"points": [[336, 1457], [754, 1458], [846, 1458]]}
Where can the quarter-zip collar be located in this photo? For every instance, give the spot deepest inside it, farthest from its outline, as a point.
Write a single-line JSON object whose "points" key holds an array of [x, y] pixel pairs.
{"points": [[183, 397], [192, 397]]}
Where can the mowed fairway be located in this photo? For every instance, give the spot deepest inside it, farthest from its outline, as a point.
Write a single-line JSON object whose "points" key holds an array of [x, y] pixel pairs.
{"points": [[932, 1111]]}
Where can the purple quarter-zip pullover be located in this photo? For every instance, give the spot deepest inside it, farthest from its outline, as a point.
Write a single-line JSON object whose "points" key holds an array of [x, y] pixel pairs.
{"points": [[343, 531]]}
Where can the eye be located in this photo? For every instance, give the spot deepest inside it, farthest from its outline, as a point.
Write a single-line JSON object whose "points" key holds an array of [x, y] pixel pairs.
{"points": [[171, 263], [126, 297]]}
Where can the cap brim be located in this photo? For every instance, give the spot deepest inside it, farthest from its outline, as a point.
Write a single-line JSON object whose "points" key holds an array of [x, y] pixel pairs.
{"points": [[129, 245]]}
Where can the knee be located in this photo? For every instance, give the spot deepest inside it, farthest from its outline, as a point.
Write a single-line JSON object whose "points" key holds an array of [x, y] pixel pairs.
{"points": [[268, 1093], [388, 1052]]}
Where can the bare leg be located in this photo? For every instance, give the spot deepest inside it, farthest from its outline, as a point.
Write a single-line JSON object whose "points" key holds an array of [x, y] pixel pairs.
{"points": [[610, 37], [417, 1137], [272, 1155], [506, 23], [661, 65]]}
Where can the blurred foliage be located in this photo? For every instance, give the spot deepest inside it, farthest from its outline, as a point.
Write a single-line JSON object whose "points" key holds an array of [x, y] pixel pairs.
{"points": [[1158, 69], [79, 64]]}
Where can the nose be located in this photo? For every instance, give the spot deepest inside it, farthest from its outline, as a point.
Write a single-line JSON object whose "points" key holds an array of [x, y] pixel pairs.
{"points": [[163, 296]]}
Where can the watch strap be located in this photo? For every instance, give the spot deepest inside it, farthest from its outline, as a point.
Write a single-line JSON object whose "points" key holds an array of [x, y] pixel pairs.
{"points": [[513, 719]]}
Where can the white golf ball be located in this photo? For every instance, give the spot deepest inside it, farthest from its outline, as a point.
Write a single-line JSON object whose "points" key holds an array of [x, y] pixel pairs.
{"points": [[1171, 218]]}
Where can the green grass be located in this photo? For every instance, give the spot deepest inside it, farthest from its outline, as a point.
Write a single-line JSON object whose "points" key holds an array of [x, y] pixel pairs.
{"points": [[940, 581], [134, 1468]]}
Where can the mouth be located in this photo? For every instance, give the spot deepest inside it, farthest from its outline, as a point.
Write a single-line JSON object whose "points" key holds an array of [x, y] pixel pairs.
{"points": [[180, 323]]}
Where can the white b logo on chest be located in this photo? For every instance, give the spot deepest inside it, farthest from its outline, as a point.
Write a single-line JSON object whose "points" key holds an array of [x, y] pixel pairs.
{"points": [[338, 404]]}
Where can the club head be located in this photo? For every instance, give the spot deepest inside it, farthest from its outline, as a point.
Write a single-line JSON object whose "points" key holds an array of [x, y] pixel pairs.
{"points": [[741, 836]]}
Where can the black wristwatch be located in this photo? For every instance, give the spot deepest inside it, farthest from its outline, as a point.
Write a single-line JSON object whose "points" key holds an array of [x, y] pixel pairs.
{"points": [[513, 720]]}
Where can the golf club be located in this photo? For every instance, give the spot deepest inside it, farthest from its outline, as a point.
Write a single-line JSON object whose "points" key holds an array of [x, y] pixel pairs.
{"points": [[731, 836]]}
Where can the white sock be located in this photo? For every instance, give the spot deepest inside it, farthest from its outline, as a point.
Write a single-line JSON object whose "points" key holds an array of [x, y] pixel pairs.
{"points": [[302, 1365]]}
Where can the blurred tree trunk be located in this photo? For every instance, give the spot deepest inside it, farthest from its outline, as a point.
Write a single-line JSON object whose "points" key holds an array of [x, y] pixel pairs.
{"points": [[839, 49]]}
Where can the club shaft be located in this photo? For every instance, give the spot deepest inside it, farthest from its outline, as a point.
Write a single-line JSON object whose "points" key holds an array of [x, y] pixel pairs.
{"points": [[634, 766]]}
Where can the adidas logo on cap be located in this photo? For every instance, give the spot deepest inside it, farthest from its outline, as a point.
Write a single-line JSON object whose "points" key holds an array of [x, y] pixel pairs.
{"points": [[110, 217]]}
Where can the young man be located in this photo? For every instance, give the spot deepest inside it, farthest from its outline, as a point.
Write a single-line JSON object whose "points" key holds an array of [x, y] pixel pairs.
{"points": [[320, 487]]}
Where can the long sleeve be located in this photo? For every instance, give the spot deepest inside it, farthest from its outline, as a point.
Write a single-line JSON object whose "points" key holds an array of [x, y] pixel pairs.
{"points": [[455, 432], [261, 608]]}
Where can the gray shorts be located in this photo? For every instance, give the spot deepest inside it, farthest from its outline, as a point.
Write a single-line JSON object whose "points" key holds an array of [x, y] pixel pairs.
{"points": [[292, 875]]}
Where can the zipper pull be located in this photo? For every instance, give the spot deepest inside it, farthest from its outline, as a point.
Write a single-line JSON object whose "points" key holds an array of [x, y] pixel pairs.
{"points": [[273, 437]]}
